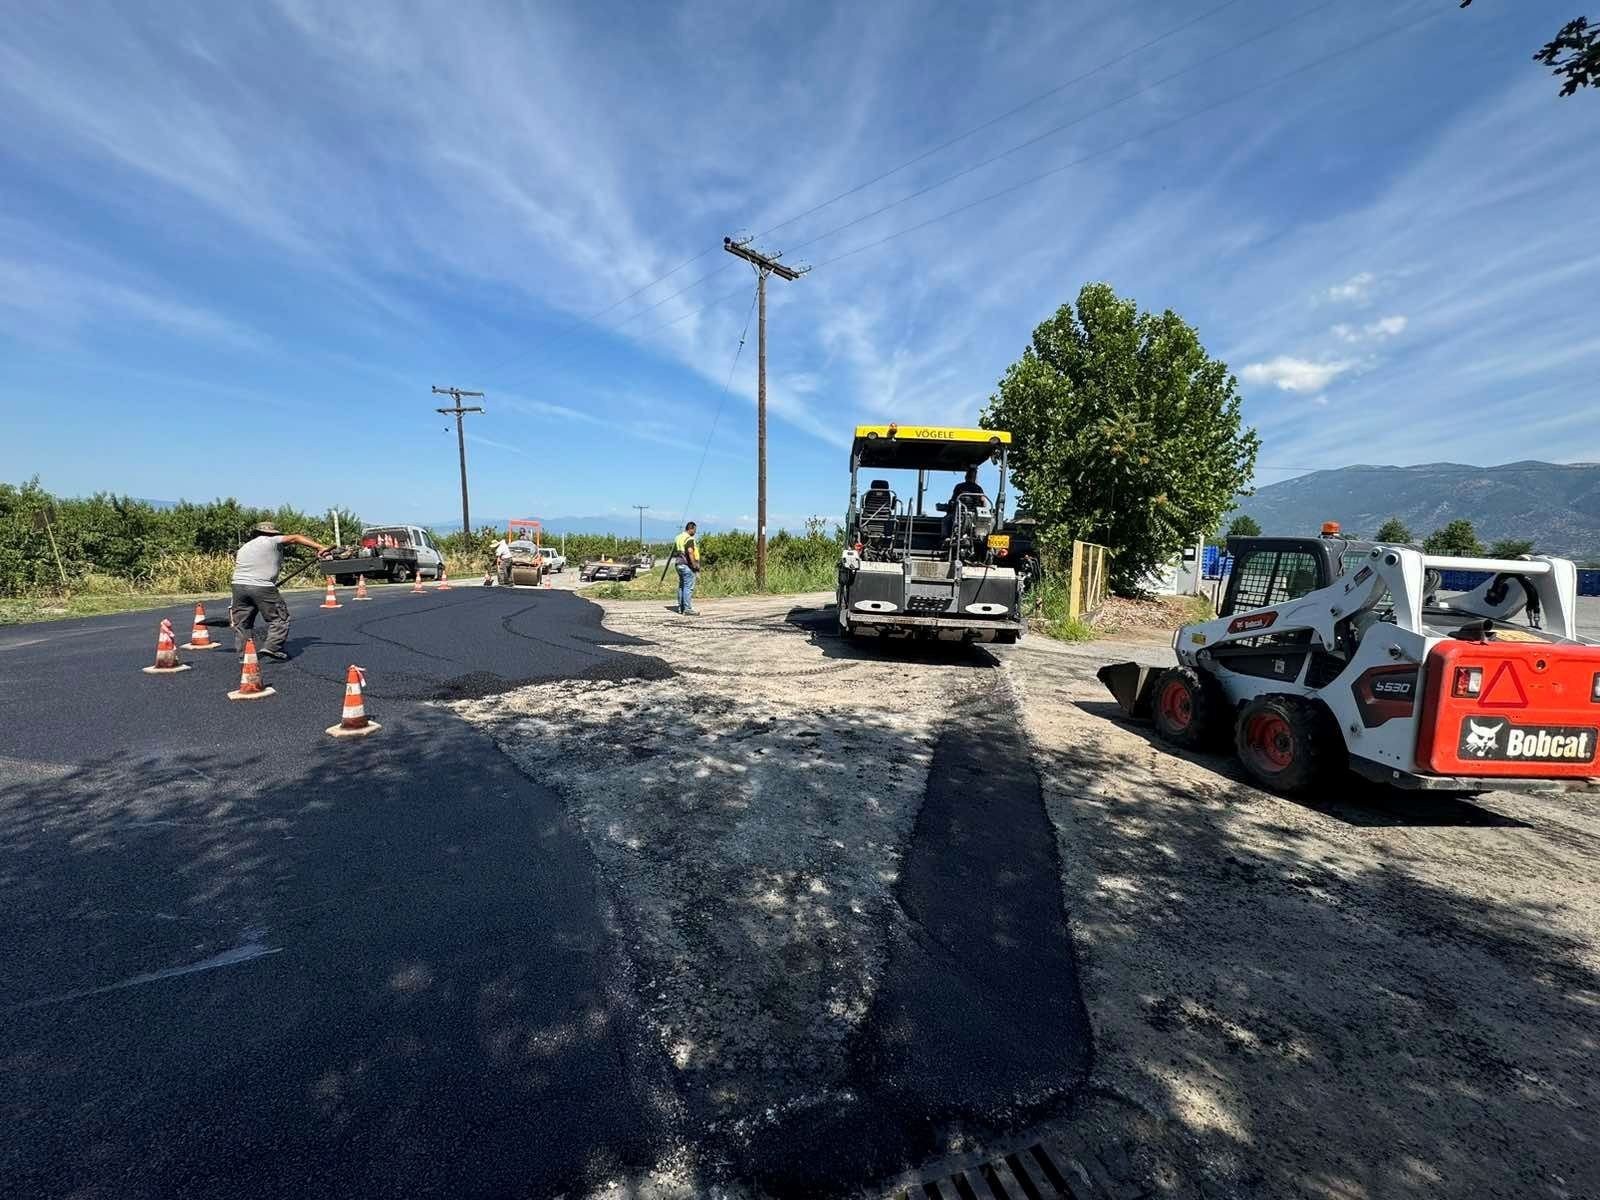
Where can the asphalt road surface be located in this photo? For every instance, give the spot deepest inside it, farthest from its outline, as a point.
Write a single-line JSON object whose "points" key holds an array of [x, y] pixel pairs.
{"points": [[245, 959], [242, 958]]}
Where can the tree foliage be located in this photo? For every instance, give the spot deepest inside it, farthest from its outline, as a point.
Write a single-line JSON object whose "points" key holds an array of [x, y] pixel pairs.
{"points": [[1573, 55], [1244, 525], [1127, 432], [1457, 538], [125, 538], [1392, 530], [1510, 548]]}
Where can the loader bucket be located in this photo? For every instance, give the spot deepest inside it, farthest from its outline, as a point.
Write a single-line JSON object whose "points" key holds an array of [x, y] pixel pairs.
{"points": [[1129, 683]]}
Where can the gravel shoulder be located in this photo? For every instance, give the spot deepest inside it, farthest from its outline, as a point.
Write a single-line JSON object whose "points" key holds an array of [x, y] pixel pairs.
{"points": [[757, 817], [1361, 995]]}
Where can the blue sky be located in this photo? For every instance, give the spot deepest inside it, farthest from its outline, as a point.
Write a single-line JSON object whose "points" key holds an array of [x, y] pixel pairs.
{"points": [[238, 243]]}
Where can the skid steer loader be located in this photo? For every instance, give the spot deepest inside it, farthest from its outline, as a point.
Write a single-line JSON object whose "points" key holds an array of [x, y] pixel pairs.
{"points": [[1331, 654]]}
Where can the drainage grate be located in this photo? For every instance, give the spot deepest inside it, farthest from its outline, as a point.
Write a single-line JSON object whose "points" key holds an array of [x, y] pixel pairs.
{"points": [[1053, 1168]]}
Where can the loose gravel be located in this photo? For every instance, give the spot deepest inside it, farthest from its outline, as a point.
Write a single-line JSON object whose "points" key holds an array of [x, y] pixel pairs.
{"points": [[751, 814]]}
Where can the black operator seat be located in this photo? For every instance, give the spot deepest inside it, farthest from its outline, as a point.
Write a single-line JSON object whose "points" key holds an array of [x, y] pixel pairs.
{"points": [[877, 513]]}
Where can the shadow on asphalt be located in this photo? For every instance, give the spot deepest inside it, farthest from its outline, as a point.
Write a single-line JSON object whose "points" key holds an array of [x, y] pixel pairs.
{"points": [[822, 626], [428, 999], [1348, 798], [978, 1026]]}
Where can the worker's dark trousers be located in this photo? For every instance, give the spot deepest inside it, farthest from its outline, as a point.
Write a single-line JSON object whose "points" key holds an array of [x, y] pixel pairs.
{"points": [[250, 599]]}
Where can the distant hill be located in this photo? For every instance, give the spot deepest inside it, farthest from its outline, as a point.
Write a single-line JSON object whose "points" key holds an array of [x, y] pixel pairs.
{"points": [[1557, 505], [655, 529]]}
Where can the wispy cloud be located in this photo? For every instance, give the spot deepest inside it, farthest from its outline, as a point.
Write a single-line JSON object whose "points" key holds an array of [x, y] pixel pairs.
{"points": [[1384, 327], [1296, 374], [1355, 290]]}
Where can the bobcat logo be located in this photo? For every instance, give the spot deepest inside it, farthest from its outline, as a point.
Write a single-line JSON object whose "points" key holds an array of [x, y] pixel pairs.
{"points": [[1482, 740]]}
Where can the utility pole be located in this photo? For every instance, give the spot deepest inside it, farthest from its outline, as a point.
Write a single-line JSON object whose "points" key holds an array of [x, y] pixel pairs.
{"points": [[764, 264], [642, 508], [461, 445]]}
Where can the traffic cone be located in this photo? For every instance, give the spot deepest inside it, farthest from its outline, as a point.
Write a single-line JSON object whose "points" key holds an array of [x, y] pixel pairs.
{"points": [[331, 600], [353, 722], [416, 586], [361, 588], [444, 580], [200, 637], [545, 575], [250, 677], [166, 652]]}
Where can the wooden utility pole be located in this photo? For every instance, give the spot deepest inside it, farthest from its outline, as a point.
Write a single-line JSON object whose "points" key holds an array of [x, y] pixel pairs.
{"points": [[642, 509], [461, 445], [764, 264]]}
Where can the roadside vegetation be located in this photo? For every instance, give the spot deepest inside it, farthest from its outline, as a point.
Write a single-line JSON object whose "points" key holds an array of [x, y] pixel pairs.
{"points": [[804, 563]]}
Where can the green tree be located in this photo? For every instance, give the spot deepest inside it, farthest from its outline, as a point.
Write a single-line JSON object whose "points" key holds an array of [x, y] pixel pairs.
{"points": [[1127, 432], [1510, 548], [1574, 54], [1244, 526], [1392, 530], [1457, 538]]}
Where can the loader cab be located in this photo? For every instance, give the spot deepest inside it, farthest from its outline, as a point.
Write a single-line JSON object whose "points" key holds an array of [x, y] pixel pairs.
{"points": [[1272, 570]]}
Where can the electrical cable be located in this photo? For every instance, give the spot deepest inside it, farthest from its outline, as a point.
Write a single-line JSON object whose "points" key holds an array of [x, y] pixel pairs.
{"points": [[721, 403], [1128, 141], [1051, 132], [992, 121], [590, 318]]}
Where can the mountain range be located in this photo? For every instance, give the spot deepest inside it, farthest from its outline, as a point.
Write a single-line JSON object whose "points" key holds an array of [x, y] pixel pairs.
{"points": [[1556, 505], [655, 529]]}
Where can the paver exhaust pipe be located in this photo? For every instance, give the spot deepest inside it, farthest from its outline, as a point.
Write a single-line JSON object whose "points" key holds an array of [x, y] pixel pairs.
{"points": [[1129, 684]]}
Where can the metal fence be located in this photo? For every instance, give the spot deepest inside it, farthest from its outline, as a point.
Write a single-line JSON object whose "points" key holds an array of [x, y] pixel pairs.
{"points": [[1090, 580]]}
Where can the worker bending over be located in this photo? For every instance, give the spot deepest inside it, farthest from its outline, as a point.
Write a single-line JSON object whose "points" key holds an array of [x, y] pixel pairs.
{"points": [[255, 587]]}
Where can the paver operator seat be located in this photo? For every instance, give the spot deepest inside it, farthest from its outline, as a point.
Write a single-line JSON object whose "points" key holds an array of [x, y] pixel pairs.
{"points": [[877, 526]]}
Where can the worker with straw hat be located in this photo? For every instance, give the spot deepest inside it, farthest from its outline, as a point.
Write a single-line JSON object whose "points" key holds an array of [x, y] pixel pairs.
{"points": [[255, 587]]}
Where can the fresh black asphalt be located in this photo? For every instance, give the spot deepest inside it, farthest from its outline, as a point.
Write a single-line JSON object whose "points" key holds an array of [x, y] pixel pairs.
{"points": [[243, 959]]}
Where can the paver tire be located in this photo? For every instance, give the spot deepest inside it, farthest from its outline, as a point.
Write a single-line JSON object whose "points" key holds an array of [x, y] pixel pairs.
{"points": [[1288, 744], [1187, 708]]}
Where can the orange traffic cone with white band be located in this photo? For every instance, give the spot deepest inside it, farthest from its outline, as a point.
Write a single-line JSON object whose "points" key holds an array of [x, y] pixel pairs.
{"points": [[331, 600], [416, 586], [166, 652], [250, 677], [200, 637], [361, 588], [353, 722], [444, 580]]}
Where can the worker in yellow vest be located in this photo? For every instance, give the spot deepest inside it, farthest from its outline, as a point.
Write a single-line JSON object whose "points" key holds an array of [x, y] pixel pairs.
{"points": [[686, 557]]}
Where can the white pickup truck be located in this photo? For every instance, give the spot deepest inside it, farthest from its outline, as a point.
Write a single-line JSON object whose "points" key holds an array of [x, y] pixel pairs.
{"points": [[394, 552], [554, 561]]}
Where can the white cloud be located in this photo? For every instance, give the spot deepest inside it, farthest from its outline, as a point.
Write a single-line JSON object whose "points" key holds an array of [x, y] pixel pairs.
{"points": [[1296, 374], [1383, 327], [1354, 290]]}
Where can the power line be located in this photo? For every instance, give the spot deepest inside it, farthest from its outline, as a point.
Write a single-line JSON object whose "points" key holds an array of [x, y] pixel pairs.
{"points": [[1010, 112], [1128, 141], [717, 416], [1051, 132], [912, 161]]}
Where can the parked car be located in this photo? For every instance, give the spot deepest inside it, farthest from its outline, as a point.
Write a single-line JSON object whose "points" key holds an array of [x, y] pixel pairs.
{"points": [[554, 561], [608, 568]]}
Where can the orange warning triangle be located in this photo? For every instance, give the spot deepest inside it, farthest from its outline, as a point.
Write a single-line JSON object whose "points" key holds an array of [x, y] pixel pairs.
{"points": [[1504, 690]]}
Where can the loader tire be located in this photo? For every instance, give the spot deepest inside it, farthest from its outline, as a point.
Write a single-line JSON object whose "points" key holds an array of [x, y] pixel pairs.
{"points": [[1287, 744], [1188, 709]]}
